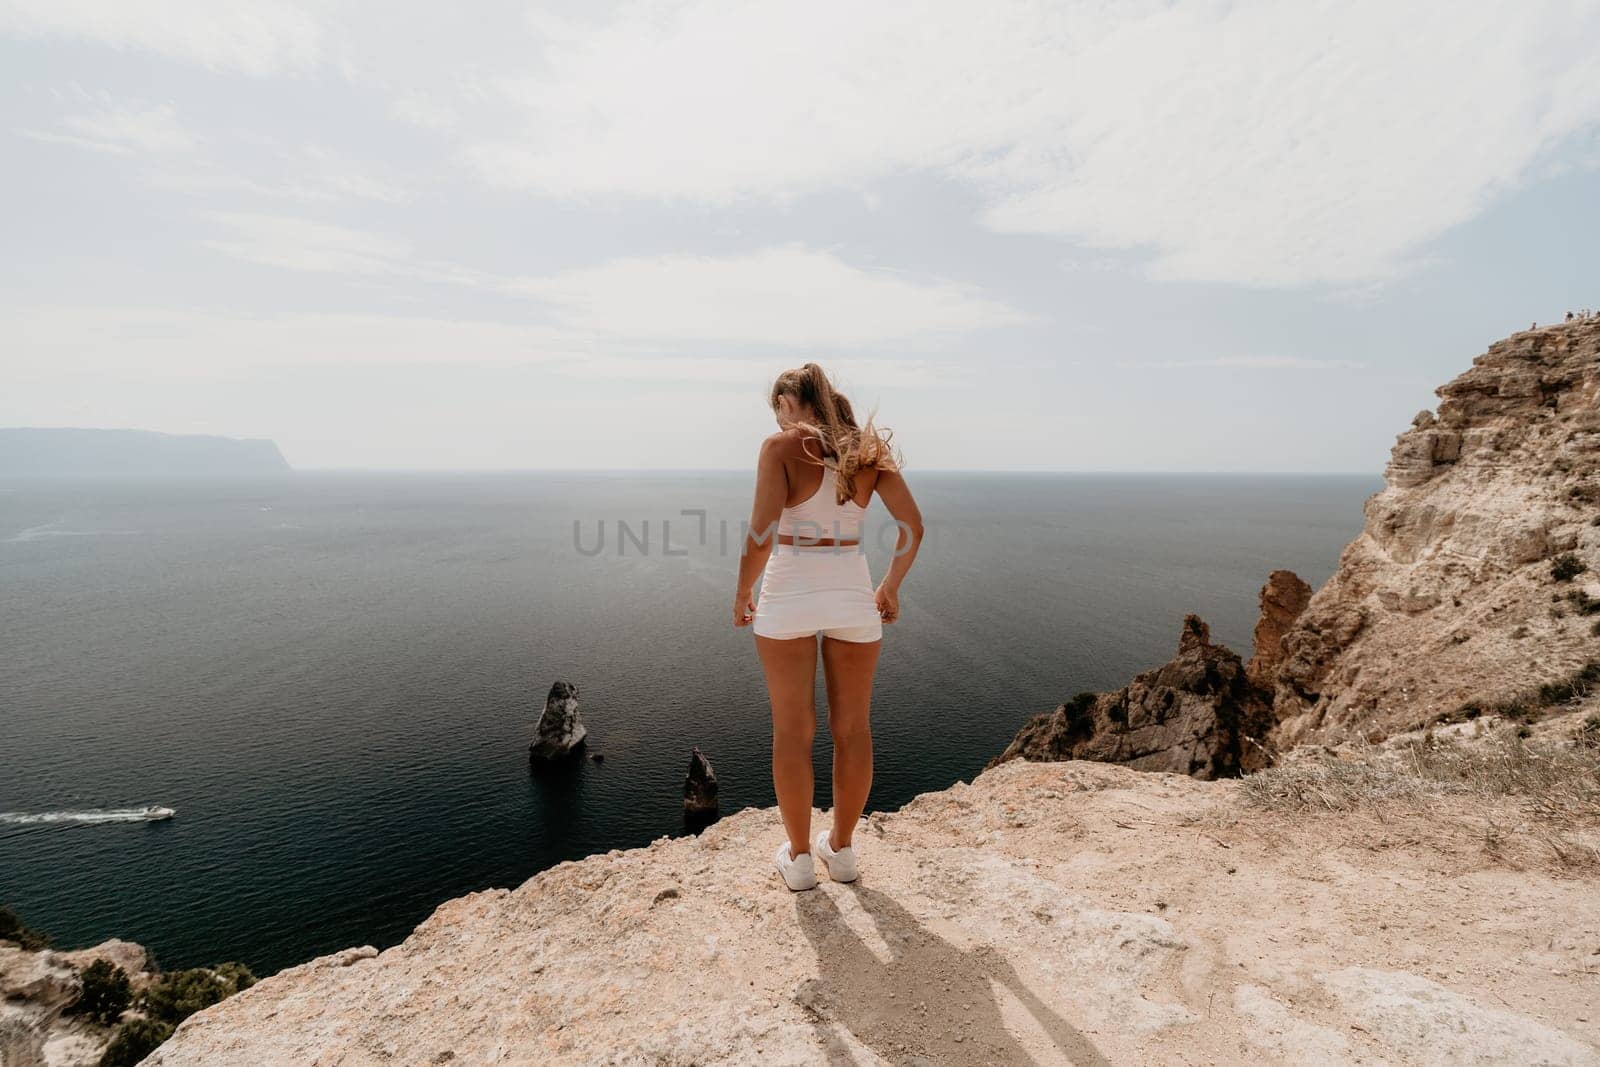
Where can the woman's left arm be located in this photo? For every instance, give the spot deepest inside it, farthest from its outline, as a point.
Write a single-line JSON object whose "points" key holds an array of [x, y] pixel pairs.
{"points": [[772, 488]]}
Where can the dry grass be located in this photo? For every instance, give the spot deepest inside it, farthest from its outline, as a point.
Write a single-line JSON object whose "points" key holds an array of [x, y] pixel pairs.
{"points": [[1558, 781], [1531, 801]]}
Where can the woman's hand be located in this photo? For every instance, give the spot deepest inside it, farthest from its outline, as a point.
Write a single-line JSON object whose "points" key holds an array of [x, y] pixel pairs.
{"points": [[888, 603], [744, 607]]}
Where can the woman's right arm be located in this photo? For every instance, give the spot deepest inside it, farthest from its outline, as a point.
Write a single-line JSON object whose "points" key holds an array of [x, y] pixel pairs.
{"points": [[772, 488], [903, 509]]}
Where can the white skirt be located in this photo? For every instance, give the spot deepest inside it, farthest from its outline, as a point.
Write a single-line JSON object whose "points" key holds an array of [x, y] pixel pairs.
{"points": [[812, 589]]}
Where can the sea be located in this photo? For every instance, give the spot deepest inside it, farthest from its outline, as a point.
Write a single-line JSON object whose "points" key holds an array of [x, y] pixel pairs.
{"points": [[332, 678]]}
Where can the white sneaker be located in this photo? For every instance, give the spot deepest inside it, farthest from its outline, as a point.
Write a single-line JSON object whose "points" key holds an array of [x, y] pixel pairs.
{"points": [[797, 874], [841, 865]]}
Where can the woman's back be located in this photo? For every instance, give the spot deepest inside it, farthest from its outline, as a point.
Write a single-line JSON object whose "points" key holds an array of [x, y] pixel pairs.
{"points": [[820, 515], [816, 512]]}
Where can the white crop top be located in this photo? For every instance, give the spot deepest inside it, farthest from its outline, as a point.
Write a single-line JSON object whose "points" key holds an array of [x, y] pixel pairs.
{"points": [[819, 517]]}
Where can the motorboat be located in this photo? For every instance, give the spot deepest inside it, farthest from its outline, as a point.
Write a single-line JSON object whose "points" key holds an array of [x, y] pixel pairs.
{"points": [[154, 813]]}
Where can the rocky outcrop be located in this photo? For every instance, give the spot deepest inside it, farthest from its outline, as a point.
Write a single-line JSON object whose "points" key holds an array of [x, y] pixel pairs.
{"points": [[1044, 913], [559, 731], [1283, 599], [1450, 596], [37, 986], [1196, 715], [699, 785], [1476, 578]]}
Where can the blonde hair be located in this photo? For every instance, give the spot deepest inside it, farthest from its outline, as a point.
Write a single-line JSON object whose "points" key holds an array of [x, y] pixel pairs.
{"points": [[855, 447]]}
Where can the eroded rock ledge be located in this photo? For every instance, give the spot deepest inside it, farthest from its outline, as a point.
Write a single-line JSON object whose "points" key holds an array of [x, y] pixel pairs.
{"points": [[1044, 913]]}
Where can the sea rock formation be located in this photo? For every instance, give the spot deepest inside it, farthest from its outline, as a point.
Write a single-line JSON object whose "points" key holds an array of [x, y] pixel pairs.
{"points": [[699, 785], [559, 731], [1044, 913], [1283, 599], [1451, 595], [1196, 715], [36, 988]]}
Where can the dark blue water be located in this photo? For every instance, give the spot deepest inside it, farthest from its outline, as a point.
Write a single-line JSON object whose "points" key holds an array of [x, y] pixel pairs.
{"points": [[333, 678]]}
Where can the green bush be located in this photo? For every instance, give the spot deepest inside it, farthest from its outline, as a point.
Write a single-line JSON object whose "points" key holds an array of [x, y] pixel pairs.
{"points": [[1526, 706], [105, 993], [135, 1040], [177, 995], [11, 929], [169, 1000], [1079, 713], [1566, 567], [238, 974]]}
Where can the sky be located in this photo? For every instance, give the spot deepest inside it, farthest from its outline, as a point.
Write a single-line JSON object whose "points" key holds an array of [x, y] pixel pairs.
{"points": [[1189, 235]]}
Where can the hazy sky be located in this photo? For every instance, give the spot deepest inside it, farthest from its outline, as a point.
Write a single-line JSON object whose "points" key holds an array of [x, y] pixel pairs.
{"points": [[1080, 235]]}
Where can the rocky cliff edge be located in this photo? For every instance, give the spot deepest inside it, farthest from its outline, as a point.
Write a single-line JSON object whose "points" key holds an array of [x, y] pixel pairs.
{"points": [[1061, 912]]}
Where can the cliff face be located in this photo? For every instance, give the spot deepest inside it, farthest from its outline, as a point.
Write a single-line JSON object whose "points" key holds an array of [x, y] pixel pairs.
{"points": [[1452, 594], [1474, 583], [1044, 913]]}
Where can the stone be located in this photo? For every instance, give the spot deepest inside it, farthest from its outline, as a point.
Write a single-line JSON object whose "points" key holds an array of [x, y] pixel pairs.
{"points": [[699, 785], [560, 731]]}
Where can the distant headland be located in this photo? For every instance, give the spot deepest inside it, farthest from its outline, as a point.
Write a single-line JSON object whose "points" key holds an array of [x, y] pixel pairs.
{"points": [[125, 453]]}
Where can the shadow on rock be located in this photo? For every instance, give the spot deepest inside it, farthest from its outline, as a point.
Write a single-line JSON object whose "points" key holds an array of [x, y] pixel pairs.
{"points": [[932, 1003]]}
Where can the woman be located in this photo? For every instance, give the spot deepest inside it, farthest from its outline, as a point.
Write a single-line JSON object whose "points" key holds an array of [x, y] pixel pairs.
{"points": [[814, 480]]}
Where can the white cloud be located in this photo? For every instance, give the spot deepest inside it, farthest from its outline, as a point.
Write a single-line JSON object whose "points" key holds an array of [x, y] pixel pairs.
{"points": [[1252, 363], [757, 373], [1254, 142], [176, 159], [308, 175], [184, 342], [423, 110], [333, 175], [248, 36], [786, 295], [300, 244], [297, 244], [299, 179], [123, 129], [65, 342]]}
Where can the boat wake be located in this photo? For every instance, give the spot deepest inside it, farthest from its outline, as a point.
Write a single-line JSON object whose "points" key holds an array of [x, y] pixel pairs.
{"points": [[53, 529], [85, 818]]}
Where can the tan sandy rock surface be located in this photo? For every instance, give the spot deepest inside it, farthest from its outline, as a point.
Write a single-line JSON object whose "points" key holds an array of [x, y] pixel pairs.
{"points": [[1044, 913]]}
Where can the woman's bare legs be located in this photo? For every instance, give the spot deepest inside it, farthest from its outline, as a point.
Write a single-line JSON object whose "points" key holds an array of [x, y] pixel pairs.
{"points": [[791, 670], [848, 668]]}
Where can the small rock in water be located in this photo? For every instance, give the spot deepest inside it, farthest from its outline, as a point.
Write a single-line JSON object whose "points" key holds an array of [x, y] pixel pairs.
{"points": [[700, 785], [559, 731]]}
